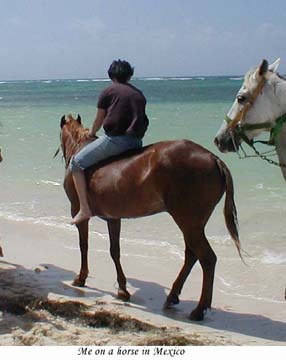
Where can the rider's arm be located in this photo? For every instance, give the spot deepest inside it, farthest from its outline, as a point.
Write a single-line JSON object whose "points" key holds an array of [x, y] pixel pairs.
{"points": [[101, 113]]}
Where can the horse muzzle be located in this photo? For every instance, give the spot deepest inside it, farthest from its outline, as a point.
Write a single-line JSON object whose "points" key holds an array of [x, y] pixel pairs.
{"points": [[227, 142]]}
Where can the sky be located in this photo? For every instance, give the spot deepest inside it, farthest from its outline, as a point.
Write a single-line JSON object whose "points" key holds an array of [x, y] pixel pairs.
{"points": [[57, 39]]}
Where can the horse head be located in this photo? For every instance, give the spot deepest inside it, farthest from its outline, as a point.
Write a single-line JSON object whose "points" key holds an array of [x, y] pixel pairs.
{"points": [[69, 119], [258, 104], [73, 136]]}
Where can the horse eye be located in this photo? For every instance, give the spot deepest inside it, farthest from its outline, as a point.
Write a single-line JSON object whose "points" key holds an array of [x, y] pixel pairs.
{"points": [[241, 98]]}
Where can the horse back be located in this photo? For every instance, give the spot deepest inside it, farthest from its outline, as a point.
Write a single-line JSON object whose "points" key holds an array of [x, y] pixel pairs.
{"points": [[169, 154], [147, 178]]}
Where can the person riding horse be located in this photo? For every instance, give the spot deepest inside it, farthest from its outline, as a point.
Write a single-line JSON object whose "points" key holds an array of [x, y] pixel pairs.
{"points": [[178, 177], [121, 113]]}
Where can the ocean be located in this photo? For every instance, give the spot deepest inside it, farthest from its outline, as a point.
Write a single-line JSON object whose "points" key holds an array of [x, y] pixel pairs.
{"points": [[190, 108]]}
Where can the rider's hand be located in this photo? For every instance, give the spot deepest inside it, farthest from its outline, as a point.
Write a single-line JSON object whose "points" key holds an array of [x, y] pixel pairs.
{"points": [[91, 135]]}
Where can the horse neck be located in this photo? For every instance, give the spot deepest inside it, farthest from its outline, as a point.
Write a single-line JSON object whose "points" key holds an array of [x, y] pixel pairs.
{"points": [[279, 109], [72, 141]]}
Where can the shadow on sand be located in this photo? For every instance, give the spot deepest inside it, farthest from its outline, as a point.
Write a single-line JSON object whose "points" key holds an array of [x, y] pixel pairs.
{"points": [[246, 324], [19, 283]]}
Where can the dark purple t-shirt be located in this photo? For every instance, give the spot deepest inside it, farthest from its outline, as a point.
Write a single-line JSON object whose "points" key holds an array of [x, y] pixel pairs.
{"points": [[125, 106]]}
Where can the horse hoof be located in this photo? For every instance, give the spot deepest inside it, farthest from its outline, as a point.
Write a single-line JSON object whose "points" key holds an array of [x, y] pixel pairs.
{"points": [[171, 301], [78, 282], [123, 295], [197, 315]]}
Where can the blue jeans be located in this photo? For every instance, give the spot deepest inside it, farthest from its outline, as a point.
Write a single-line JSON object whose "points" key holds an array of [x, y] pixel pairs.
{"points": [[102, 148]]}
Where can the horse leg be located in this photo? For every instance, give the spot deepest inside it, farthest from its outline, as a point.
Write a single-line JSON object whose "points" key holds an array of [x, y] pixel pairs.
{"points": [[82, 228], [173, 297], [83, 244], [197, 248], [114, 226], [207, 259]]}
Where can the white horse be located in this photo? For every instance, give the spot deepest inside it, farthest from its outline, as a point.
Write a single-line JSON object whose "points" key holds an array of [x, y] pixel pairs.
{"points": [[260, 105]]}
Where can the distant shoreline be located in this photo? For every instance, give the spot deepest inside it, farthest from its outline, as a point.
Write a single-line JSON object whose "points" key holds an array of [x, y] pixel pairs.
{"points": [[82, 79]]}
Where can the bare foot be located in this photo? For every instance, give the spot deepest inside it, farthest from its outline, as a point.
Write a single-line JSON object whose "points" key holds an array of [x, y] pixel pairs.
{"points": [[80, 217]]}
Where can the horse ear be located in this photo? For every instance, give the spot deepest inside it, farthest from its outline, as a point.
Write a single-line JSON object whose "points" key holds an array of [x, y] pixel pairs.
{"points": [[263, 67], [273, 67], [78, 119], [63, 121]]}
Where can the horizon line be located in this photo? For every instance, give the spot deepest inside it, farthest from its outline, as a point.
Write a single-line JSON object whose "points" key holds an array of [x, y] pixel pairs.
{"points": [[158, 77]]}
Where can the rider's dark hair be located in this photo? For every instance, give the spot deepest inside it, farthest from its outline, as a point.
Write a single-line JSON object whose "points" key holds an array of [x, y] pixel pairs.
{"points": [[120, 70]]}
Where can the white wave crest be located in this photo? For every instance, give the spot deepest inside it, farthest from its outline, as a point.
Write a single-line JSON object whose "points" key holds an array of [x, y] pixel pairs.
{"points": [[100, 80], [49, 182], [273, 258]]}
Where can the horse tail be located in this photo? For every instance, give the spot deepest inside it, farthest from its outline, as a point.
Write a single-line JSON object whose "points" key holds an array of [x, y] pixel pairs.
{"points": [[230, 213]]}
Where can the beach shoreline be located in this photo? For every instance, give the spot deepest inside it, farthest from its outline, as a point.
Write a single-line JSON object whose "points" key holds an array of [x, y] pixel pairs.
{"points": [[35, 270]]}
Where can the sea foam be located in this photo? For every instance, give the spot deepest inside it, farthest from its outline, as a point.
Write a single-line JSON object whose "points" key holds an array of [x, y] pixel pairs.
{"points": [[269, 257]]}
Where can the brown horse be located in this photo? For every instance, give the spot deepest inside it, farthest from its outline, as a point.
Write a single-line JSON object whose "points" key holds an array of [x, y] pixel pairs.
{"points": [[179, 177]]}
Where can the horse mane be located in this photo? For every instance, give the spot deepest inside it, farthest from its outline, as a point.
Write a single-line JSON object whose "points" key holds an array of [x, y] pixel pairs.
{"points": [[282, 77], [76, 129]]}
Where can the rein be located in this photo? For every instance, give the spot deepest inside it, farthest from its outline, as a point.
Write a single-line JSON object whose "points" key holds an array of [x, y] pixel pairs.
{"points": [[241, 128], [268, 126], [57, 152]]}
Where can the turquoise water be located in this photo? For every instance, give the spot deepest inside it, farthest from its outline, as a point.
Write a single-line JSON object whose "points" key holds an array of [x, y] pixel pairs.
{"points": [[193, 108]]}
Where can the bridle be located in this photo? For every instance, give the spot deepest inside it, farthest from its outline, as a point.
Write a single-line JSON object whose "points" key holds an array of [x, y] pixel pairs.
{"points": [[235, 127], [248, 104]]}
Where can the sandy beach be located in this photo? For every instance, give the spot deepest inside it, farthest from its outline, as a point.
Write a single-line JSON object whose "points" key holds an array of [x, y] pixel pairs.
{"points": [[41, 307]]}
